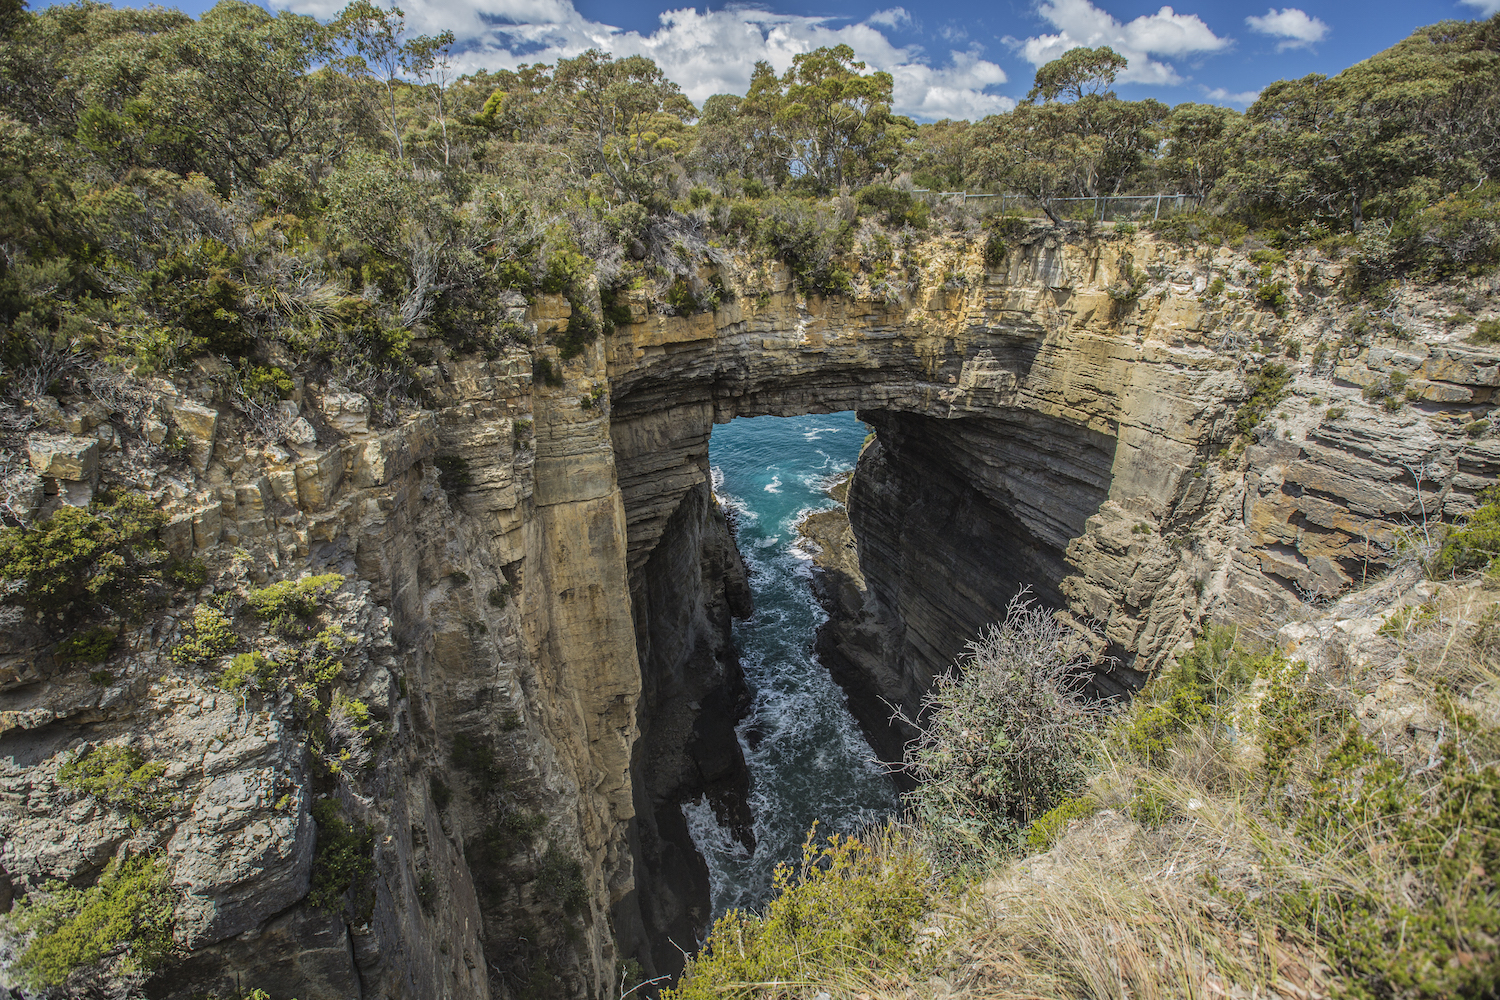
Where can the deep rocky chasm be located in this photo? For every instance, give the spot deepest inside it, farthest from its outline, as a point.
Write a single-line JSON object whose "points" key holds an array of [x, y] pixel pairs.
{"points": [[569, 611]]}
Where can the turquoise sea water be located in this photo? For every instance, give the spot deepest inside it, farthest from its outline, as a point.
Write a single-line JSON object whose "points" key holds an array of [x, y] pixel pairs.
{"points": [[808, 760]]}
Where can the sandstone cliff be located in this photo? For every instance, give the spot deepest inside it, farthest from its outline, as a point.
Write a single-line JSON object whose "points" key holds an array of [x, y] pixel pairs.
{"points": [[538, 582]]}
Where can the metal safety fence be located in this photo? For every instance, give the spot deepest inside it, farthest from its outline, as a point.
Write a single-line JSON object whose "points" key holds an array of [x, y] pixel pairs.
{"points": [[1103, 208]]}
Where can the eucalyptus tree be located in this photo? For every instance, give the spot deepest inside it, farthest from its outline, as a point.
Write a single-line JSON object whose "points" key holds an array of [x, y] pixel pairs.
{"points": [[1079, 141], [627, 119]]}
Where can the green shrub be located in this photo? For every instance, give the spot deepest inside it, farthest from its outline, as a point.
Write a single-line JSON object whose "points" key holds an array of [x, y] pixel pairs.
{"points": [[251, 669], [285, 607], [208, 637], [582, 330], [120, 777], [76, 558], [1269, 387], [1388, 390], [847, 907], [453, 475], [559, 879], [545, 372], [896, 208], [343, 867], [88, 646], [1272, 295], [121, 925], [189, 574], [1193, 692], [1486, 332], [1472, 545], [1048, 828], [1005, 740]]}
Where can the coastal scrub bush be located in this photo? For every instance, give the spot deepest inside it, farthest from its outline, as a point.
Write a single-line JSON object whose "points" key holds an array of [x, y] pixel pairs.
{"points": [[1486, 332], [343, 867], [119, 777], [453, 475], [209, 636], [90, 645], [118, 928], [1269, 387], [1006, 737], [852, 904], [248, 669], [559, 879], [287, 605], [78, 558], [1472, 545], [1052, 824]]}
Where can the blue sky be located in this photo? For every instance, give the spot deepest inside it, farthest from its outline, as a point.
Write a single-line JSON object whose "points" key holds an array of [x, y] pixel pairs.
{"points": [[950, 58]]}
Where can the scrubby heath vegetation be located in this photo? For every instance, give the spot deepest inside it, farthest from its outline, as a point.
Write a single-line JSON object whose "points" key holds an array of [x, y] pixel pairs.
{"points": [[296, 196], [1324, 822]]}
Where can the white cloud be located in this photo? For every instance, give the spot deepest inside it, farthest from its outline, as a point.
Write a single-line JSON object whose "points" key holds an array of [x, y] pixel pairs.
{"points": [[1485, 7], [1165, 33], [1295, 28], [1222, 96], [892, 18], [705, 52]]}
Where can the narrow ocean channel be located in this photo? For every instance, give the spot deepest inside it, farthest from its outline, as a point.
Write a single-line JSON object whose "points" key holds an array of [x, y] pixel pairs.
{"points": [[808, 759]]}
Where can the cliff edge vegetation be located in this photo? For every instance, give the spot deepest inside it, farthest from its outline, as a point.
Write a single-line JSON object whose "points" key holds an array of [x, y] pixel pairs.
{"points": [[1318, 816]]}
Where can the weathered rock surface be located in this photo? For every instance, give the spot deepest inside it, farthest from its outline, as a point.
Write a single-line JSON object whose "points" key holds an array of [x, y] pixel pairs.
{"points": [[543, 638]]}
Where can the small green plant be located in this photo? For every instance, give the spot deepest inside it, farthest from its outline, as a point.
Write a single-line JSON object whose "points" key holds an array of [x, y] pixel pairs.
{"points": [[595, 398], [120, 777], [76, 558], [119, 926], [545, 372], [1477, 428], [847, 906], [582, 330], [1472, 545], [286, 607], [342, 864], [91, 645], [427, 889], [1049, 828], [1272, 295], [559, 879], [454, 475], [1333, 414], [1216, 287], [1486, 332], [1269, 387], [1387, 390], [477, 760], [189, 574], [209, 636], [499, 596], [249, 669]]}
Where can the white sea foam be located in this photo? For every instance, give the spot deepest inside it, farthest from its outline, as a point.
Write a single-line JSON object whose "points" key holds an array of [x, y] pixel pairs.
{"points": [[774, 486]]}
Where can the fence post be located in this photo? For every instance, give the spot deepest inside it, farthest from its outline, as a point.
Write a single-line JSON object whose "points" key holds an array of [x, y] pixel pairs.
{"points": [[1157, 215]]}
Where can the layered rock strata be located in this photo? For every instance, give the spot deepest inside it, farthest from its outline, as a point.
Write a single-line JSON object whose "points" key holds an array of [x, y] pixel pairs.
{"points": [[538, 582]]}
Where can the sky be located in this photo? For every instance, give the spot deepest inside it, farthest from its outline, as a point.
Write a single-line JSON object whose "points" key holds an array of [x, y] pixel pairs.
{"points": [[948, 58]]}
